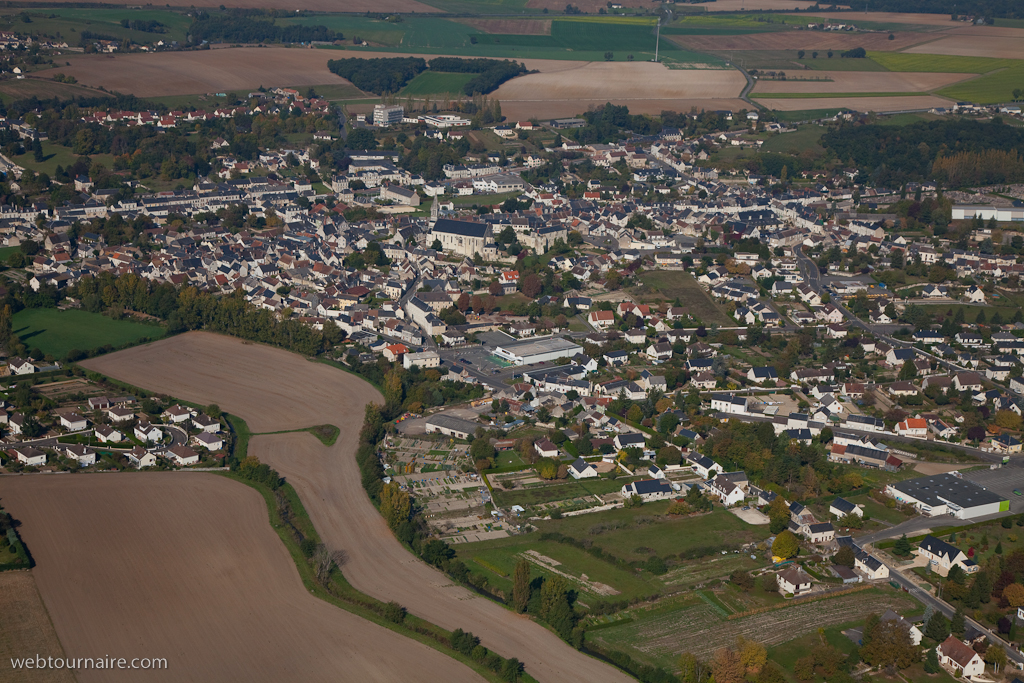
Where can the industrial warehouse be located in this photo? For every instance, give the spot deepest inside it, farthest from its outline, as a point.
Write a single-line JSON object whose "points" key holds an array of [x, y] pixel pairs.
{"points": [[945, 494], [537, 350]]}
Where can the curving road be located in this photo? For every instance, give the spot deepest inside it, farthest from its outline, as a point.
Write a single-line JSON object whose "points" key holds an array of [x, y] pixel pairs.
{"points": [[275, 390]]}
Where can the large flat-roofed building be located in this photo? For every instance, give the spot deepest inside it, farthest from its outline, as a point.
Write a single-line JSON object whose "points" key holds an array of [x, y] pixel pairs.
{"points": [[945, 494], [386, 115], [537, 350], [451, 426]]}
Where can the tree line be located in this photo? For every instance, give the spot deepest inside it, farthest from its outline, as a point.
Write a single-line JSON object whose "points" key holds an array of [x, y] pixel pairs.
{"points": [[240, 26], [491, 73], [391, 74]]}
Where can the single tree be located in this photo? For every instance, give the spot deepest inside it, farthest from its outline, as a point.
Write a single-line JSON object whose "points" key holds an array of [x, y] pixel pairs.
{"points": [[778, 514], [958, 624], [785, 545], [521, 586], [902, 546], [937, 627], [844, 557], [931, 662]]}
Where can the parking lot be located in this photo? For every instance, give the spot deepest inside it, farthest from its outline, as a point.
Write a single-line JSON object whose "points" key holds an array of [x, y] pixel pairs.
{"points": [[1004, 481]]}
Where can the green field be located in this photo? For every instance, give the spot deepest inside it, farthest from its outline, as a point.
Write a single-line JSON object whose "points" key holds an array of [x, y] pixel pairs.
{"points": [[724, 25], [899, 61], [57, 332], [67, 23], [804, 138], [576, 38], [823, 63], [670, 285], [436, 83], [55, 155], [993, 88]]}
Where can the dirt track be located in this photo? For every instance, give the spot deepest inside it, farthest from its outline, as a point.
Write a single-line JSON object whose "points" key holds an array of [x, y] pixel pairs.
{"points": [[185, 566], [273, 390]]}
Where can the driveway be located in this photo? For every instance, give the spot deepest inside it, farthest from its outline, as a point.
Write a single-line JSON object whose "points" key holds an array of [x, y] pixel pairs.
{"points": [[751, 516]]}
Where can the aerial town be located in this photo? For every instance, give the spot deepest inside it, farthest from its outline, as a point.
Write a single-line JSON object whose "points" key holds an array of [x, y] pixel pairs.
{"points": [[681, 342]]}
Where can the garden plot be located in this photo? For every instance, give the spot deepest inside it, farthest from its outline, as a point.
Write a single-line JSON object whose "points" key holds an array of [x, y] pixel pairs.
{"points": [[698, 572], [701, 628]]}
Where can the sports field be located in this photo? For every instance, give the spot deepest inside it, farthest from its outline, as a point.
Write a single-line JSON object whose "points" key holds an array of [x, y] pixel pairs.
{"points": [[56, 332]]}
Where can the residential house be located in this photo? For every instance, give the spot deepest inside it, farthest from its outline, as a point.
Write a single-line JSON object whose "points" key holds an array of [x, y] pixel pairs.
{"points": [[960, 659], [139, 457], [546, 449], [107, 434], [148, 433], [581, 469], [73, 422], [648, 490], [841, 507], [27, 455], [914, 631], [794, 581], [942, 556], [211, 442], [913, 427]]}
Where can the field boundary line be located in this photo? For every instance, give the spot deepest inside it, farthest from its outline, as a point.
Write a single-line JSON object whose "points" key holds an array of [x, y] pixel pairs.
{"points": [[711, 603]]}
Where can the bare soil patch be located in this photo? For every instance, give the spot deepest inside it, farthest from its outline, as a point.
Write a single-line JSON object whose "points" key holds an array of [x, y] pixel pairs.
{"points": [[1002, 47], [936, 467], [520, 27], [27, 630], [272, 390], [803, 40], [865, 104], [645, 87], [862, 81], [186, 566]]}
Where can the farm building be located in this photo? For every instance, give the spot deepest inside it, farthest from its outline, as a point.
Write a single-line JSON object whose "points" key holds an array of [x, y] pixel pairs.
{"points": [[537, 350], [450, 426], [944, 494]]}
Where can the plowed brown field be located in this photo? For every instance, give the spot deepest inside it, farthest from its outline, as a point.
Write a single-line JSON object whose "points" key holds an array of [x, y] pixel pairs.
{"points": [[803, 40], [185, 566], [865, 104], [273, 390], [26, 631]]}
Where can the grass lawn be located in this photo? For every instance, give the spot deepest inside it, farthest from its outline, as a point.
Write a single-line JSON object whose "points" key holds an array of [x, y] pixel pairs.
{"points": [[5, 253], [806, 114], [43, 88], [670, 285], [55, 155], [435, 82], [57, 332], [876, 510], [992, 88], [497, 559], [632, 533], [805, 138]]}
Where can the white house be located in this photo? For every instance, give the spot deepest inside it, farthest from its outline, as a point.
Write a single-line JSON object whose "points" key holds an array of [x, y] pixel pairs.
{"points": [[703, 466], [177, 414], [206, 423], [913, 427], [581, 469], [182, 455], [73, 422], [116, 414], [147, 432], [943, 556], [794, 580], [728, 403], [725, 490], [648, 490], [546, 449], [107, 434], [140, 457], [27, 455], [82, 455], [210, 442], [841, 508], [959, 658]]}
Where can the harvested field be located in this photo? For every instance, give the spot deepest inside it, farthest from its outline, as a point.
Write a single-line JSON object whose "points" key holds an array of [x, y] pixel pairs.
{"points": [[753, 5], [892, 17], [862, 81], [14, 89], [1000, 47], [802, 40], [643, 86], [27, 630], [185, 73], [520, 27], [195, 574], [314, 5], [865, 104], [273, 390]]}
